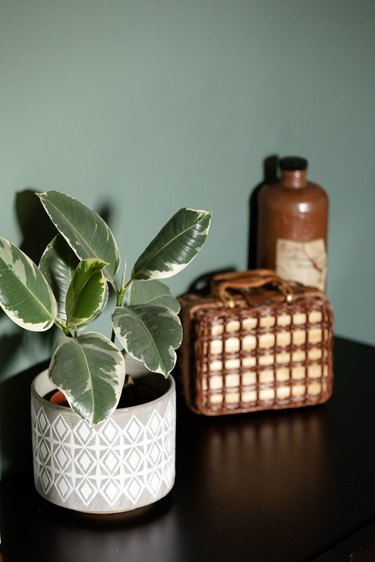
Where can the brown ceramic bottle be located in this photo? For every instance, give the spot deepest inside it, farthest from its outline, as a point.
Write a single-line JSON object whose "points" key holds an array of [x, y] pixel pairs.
{"points": [[293, 225]]}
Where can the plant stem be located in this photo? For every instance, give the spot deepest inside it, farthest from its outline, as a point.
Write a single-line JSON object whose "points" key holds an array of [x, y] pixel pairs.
{"points": [[120, 297], [64, 328]]}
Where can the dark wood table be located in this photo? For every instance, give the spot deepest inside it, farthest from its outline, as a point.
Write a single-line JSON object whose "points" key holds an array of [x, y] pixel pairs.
{"points": [[277, 486]]}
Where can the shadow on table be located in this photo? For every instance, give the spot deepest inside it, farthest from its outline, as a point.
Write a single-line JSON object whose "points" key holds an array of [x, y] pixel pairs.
{"points": [[32, 528]]}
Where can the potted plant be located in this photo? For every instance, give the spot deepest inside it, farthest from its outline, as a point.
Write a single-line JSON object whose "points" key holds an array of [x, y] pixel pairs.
{"points": [[93, 455]]}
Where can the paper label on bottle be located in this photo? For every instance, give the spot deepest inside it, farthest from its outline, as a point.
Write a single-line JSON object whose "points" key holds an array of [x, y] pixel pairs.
{"points": [[305, 262]]}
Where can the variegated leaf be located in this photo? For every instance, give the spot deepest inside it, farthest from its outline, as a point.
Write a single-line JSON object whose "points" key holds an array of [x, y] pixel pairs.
{"points": [[90, 371], [150, 334], [151, 292], [25, 295], [58, 264], [87, 294], [84, 230], [176, 245]]}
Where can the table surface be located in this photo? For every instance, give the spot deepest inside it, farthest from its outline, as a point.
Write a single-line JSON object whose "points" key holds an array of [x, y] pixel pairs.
{"points": [[285, 486]]}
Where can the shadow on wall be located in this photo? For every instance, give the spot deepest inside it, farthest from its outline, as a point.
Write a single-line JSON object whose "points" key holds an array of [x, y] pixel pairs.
{"points": [[270, 166], [15, 423], [15, 431]]}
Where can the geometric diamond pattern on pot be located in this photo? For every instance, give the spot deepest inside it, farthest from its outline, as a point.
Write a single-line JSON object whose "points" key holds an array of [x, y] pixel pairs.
{"points": [[86, 491], [168, 445], [155, 452], [83, 432], [133, 429], [134, 489], [154, 482], [46, 480], [60, 428], [111, 491], [109, 431], [44, 450], [169, 415], [111, 461], [168, 474], [154, 423], [133, 459], [43, 424], [85, 462], [61, 458], [63, 487]]}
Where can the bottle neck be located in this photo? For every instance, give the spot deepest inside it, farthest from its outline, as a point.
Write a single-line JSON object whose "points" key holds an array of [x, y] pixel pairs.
{"points": [[293, 178]]}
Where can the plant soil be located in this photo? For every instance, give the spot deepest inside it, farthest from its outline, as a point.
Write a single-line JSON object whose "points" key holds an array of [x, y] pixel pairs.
{"points": [[133, 394]]}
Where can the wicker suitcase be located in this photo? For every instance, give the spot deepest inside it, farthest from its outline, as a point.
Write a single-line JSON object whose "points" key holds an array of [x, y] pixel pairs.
{"points": [[255, 343]]}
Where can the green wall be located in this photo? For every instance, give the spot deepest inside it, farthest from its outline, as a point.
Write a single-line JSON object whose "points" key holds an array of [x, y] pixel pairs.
{"points": [[139, 107]]}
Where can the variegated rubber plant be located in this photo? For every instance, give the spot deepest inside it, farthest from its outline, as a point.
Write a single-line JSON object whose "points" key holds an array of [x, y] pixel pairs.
{"points": [[69, 288]]}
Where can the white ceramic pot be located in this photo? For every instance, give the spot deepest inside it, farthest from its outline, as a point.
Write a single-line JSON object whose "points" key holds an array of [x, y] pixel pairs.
{"points": [[125, 462]]}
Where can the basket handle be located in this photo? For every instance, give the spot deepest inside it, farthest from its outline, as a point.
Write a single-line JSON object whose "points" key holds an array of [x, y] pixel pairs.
{"points": [[251, 279]]}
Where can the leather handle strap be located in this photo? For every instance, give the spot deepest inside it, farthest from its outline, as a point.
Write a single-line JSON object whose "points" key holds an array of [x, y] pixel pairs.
{"points": [[251, 279]]}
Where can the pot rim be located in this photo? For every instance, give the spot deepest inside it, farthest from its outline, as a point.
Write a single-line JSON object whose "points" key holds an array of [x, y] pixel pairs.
{"points": [[43, 377]]}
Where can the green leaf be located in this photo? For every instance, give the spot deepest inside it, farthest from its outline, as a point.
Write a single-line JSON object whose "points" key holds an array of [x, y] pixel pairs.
{"points": [[149, 334], [151, 292], [90, 371], [58, 264], [84, 230], [25, 295], [178, 242], [87, 294]]}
